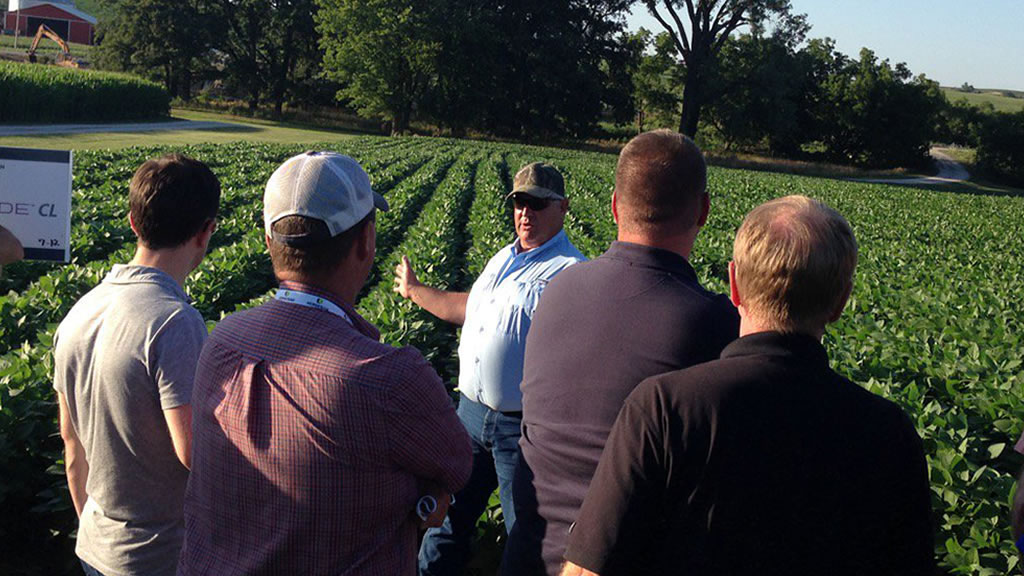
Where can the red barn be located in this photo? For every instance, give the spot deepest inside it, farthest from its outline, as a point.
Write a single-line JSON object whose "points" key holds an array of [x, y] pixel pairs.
{"points": [[61, 16]]}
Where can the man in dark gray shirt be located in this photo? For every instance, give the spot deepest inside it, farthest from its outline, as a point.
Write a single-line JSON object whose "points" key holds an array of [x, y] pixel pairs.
{"points": [[764, 461], [602, 327], [124, 360]]}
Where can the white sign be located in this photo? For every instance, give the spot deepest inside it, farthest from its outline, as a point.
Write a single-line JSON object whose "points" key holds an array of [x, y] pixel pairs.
{"points": [[35, 201]]}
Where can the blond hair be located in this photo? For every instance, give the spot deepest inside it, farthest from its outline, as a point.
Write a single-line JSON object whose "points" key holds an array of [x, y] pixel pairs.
{"points": [[794, 260]]}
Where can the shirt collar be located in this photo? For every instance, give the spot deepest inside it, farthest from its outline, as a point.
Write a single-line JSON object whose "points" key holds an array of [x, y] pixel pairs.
{"points": [[135, 274], [651, 257], [802, 347], [555, 240], [358, 322]]}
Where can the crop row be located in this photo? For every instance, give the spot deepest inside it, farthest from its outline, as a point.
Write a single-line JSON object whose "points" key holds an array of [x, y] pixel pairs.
{"points": [[34, 491], [436, 245], [50, 296], [934, 322]]}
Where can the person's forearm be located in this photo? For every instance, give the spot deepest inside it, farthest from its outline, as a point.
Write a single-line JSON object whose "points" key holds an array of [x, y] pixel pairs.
{"points": [[448, 306], [77, 470], [570, 569]]}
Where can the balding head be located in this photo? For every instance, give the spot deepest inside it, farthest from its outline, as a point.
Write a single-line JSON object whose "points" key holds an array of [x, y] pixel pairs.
{"points": [[660, 184], [794, 261]]}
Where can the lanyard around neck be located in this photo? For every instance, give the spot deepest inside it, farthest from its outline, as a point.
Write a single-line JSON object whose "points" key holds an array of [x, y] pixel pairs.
{"points": [[311, 301]]}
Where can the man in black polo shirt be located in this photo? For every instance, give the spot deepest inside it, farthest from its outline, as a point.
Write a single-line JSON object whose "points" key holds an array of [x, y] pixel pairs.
{"points": [[601, 328], [764, 461]]}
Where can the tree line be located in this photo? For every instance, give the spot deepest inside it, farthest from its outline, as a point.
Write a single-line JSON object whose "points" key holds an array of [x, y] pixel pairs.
{"points": [[735, 74]]}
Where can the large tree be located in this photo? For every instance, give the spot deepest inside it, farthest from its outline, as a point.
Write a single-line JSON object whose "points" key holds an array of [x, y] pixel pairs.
{"points": [[165, 40], [265, 43], [699, 29], [657, 77], [557, 64], [383, 53]]}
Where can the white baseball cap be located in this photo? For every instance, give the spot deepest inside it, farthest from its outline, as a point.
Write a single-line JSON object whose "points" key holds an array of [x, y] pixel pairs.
{"points": [[327, 186]]}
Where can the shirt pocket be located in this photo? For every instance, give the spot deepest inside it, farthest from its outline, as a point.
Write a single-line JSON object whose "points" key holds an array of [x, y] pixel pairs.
{"points": [[520, 303]]}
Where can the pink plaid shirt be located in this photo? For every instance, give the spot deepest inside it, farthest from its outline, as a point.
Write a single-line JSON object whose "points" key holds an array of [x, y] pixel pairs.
{"points": [[312, 442]]}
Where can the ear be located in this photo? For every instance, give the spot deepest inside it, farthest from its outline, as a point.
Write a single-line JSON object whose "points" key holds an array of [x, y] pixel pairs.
{"points": [[705, 209], [734, 291], [204, 235], [564, 206], [131, 225], [615, 208], [363, 246], [841, 304], [266, 240]]}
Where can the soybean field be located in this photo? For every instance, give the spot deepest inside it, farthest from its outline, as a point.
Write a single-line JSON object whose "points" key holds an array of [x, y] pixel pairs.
{"points": [[934, 322]]}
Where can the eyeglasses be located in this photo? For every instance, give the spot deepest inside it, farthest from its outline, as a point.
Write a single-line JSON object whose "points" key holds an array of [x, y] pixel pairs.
{"points": [[532, 202]]}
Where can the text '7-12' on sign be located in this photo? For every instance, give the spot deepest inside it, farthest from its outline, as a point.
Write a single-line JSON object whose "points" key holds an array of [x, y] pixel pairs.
{"points": [[35, 201]]}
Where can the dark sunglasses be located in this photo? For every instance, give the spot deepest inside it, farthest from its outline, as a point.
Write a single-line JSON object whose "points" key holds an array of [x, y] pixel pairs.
{"points": [[531, 202]]}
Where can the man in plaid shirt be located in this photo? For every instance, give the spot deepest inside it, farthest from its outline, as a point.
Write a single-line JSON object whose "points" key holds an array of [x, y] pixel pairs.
{"points": [[314, 442]]}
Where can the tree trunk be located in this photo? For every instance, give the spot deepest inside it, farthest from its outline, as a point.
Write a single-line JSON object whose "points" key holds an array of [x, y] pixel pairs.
{"points": [[254, 99], [400, 125], [695, 89], [693, 101], [186, 83]]}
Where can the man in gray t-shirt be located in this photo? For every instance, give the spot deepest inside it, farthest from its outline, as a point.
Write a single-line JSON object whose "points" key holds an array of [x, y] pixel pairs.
{"points": [[124, 360]]}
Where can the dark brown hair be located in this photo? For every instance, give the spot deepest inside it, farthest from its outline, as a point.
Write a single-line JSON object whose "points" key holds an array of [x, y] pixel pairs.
{"points": [[317, 260], [171, 199], [660, 180]]}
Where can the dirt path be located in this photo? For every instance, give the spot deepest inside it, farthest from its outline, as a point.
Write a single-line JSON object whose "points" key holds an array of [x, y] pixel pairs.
{"points": [[950, 172], [43, 129]]}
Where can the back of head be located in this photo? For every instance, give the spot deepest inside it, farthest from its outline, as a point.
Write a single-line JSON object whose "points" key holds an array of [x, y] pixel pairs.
{"points": [[171, 199], [312, 261], [794, 259], [660, 181], [315, 206]]}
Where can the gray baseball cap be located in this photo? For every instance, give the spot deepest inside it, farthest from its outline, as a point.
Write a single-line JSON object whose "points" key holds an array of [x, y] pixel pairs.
{"points": [[539, 180], [327, 186]]}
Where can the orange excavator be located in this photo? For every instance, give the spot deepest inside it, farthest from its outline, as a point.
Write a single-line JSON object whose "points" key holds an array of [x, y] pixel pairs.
{"points": [[63, 58]]}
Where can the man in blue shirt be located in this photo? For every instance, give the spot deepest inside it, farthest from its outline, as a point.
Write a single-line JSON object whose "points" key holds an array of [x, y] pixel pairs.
{"points": [[495, 316]]}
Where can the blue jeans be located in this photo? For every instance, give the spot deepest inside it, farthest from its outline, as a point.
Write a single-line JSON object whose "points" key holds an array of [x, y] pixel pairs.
{"points": [[495, 438]]}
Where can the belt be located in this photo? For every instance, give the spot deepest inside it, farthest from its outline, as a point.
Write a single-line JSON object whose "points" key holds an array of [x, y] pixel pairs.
{"points": [[518, 414]]}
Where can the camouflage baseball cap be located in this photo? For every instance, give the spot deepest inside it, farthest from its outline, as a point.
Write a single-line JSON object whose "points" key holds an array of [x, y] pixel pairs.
{"points": [[539, 180]]}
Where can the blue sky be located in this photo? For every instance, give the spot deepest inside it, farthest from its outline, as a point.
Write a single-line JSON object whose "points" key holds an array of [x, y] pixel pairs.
{"points": [[978, 42]]}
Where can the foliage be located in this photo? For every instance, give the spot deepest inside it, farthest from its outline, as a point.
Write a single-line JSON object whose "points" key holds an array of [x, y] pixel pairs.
{"points": [[874, 114], [163, 40], [701, 31], [765, 90], [657, 76], [1001, 147], [383, 54], [268, 54], [934, 322], [959, 123], [524, 68], [36, 93]]}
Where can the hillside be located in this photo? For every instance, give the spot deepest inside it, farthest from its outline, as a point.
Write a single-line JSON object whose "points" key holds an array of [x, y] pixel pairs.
{"points": [[996, 97]]}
